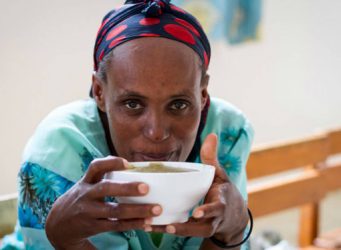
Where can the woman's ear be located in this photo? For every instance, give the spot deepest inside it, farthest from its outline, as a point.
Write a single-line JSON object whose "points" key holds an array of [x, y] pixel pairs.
{"points": [[97, 92], [203, 88]]}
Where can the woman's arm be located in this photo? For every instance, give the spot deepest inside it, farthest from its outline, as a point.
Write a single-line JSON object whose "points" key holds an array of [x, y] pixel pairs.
{"points": [[82, 212]]}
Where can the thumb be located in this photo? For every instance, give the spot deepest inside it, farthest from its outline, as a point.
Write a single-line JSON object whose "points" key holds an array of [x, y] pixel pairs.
{"points": [[208, 152]]}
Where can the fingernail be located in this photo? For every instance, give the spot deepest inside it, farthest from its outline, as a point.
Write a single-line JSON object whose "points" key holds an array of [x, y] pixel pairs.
{"points": [[143, 188], [156, 210], [148, 221], [125, 163], [170, 229], [148, 228], [198, 214]]}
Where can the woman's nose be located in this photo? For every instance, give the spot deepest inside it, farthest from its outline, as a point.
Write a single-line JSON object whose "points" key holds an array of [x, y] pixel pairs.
{"points": [[156, 127]]}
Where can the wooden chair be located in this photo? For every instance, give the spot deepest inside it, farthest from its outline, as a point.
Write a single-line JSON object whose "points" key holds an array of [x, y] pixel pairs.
{"points": [[331, 173], [314, 180], [301, 190], [8, 214]]}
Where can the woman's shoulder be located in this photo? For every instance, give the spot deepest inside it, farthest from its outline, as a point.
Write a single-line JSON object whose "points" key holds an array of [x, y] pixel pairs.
{"points": [[69, 136], [223, 115], [74, 120], [71, 113], [234, 131], [222, 107]]}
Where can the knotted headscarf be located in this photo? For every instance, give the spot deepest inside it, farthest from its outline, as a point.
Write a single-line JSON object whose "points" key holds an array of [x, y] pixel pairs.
{"points": [[153, 18]]}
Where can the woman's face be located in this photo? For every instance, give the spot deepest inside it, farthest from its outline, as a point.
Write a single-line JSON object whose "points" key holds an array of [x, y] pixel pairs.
{"points": [[153, 99]]}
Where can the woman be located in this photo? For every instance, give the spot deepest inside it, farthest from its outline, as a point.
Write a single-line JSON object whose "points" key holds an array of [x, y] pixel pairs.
{"points": [[149, 103]]}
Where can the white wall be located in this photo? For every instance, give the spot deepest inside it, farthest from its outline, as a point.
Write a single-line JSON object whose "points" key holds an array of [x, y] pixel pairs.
{"points": [[288, 83]]}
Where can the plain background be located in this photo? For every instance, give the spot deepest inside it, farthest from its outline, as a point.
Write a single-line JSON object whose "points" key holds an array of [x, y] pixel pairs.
{"points": [[288, 83]]}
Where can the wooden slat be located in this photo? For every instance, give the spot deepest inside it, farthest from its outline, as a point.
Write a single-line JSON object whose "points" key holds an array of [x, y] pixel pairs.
{"points": [[332, 177], [309, 224], [334, 137], [277, 158], [269, 198], [8, 213], [312, 248]]}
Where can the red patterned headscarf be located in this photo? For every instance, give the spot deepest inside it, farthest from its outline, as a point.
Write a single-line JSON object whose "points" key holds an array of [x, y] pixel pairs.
{"points": [[153, 18]]}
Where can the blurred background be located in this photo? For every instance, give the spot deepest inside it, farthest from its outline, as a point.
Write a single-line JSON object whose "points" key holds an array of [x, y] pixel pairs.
{"points": [[287, 80]]}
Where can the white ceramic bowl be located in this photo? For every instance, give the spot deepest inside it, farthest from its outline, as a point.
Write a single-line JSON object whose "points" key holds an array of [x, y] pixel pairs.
{"points": [[176, 192]]}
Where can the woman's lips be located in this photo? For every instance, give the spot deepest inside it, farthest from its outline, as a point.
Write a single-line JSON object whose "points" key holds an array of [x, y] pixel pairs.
{"points": [[153, 156]]}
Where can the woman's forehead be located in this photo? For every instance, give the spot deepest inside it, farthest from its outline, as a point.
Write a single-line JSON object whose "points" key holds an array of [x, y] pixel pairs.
{"points": [[154, 65], [156, 50], [147, 59]]}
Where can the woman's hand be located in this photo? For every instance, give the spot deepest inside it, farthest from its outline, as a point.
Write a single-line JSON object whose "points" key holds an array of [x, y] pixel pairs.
{"points": [[224, 212], [81, 212]]}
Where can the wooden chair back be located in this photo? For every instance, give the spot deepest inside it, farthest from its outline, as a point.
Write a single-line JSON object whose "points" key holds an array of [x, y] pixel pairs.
{"points": [[302, 189], [8, 213], [332, 170]]}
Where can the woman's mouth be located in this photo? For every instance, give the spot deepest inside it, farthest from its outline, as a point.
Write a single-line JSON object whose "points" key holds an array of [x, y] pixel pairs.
{"points": [[153, 156]]}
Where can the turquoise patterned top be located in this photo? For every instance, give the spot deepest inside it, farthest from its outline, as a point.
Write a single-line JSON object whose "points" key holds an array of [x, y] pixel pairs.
{"points": [[70, 137]]}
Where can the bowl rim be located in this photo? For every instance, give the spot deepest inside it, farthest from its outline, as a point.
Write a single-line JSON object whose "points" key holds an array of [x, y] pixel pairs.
{"points": [[188, 165]]}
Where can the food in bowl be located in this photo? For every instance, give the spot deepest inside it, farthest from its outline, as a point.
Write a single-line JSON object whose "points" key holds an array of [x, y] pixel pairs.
{"points": [[178, 192], [154, 167]]}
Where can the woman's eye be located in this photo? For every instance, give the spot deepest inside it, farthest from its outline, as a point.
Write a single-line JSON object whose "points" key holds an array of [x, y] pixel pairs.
{"points": [[133, 105], [179, 105]]}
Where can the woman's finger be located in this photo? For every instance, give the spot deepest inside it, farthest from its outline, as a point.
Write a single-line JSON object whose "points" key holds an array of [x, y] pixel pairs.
{"points": [[109, 188], [125, 211], [202, 228], [208, 151], [208, 155], [105, 225], [209, 210], [99, 167]]}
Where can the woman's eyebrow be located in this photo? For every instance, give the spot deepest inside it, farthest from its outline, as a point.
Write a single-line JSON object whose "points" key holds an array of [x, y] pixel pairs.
{"points": [[131, 93], [135, 94], [183, 93], [180, 96]]}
